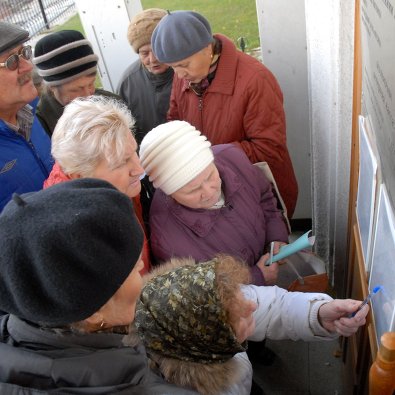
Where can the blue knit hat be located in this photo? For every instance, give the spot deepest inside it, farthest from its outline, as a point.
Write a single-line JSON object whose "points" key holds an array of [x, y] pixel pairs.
{"points": [[179, 35]]}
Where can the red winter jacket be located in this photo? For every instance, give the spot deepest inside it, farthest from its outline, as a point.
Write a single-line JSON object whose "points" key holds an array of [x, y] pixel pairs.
{"points": [[242, 105]]}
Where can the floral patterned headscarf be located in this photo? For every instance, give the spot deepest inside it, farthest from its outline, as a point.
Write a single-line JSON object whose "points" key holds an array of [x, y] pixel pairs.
{"points": [[179, 315]]}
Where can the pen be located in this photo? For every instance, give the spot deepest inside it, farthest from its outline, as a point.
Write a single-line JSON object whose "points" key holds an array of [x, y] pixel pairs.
{"points": [[366, 301], [269, 261]]}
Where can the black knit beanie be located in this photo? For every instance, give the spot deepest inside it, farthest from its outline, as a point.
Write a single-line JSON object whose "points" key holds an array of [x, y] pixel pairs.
{"points": [[64, 56], [65, 250]]}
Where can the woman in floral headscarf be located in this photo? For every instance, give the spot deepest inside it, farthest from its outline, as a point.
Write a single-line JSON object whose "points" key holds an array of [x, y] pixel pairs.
{"points": [[194, 320]]}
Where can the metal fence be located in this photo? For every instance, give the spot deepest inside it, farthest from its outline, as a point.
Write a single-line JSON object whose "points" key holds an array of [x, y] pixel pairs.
{"points": [[35, 15]]}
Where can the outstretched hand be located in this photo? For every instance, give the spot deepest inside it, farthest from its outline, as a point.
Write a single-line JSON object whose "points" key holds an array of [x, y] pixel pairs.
{"points": [[334, 316]]}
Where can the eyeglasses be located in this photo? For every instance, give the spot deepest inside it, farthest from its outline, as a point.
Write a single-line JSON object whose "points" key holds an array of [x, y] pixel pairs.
{"points": [[12, 63]]}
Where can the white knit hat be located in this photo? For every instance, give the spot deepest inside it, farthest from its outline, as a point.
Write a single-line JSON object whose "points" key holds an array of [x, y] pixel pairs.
{"points": [[173, 154]]}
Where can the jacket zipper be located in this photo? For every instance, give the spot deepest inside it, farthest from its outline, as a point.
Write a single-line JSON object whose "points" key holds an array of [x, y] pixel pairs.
{"points": [[200, 107], [38, 159]]}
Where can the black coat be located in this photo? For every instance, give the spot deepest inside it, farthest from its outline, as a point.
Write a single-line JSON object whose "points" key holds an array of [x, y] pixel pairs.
{"points": [[147, 96], [49, 110], [37, 361]]}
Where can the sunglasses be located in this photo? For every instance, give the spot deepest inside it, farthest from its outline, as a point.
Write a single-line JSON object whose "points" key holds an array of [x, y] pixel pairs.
{"points": [[12, 63]]}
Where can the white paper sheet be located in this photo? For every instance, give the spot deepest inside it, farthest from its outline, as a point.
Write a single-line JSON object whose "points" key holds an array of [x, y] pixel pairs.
{"points": [[366, 191]]}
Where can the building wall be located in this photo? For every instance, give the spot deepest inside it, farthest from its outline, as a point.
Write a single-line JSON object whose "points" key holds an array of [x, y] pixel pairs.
{"points": [[284, 52], [106, 24], [308, 44]]}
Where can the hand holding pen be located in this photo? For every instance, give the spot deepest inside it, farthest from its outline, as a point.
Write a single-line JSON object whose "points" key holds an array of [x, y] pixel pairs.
{"points": [[366, 301], [334, 316]]}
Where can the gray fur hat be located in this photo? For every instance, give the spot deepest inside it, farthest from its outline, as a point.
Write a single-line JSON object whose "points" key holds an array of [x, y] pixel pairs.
{"points": [[179, 35], [11, 36], [142, 25], [66, 250]]}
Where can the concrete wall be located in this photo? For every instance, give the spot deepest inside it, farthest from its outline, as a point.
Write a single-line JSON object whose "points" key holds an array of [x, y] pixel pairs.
{"points": [[308, 44], [282, 31]]}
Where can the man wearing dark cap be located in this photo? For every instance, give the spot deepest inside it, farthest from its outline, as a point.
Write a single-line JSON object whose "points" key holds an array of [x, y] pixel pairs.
{"points": [[25, 149], [146, 84], [68, 66]]}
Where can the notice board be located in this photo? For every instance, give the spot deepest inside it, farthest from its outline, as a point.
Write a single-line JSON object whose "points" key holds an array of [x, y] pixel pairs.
{"points": [[377, 18], [378, 81]]}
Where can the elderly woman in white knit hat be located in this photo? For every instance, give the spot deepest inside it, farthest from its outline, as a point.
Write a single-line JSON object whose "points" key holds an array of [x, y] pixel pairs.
{"points": [[209, 201], [228, 95], [68, 66]]}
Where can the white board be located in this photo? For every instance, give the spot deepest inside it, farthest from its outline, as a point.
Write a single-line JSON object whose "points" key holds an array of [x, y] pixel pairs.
{"points": [[383, 266]]}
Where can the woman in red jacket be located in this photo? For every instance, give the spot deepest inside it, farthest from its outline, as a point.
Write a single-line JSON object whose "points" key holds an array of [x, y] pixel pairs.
{"points": [[93, 139], [229, 96]]}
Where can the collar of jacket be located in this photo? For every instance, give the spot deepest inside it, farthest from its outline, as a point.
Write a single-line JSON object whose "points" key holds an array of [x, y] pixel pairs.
{"points": [[225, 75], [71, 360], [50, 109], [56, 176], [201, 221], [23, 332]]}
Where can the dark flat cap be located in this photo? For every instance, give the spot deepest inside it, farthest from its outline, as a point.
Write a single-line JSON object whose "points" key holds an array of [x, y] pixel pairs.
{"points": [[11, 36]]}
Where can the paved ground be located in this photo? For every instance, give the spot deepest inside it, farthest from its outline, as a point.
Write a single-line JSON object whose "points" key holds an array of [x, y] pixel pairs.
{"points": [[302, 368]]}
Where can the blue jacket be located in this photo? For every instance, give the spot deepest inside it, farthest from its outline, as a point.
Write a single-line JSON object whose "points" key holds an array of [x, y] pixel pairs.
{"points": [[24, 165]]}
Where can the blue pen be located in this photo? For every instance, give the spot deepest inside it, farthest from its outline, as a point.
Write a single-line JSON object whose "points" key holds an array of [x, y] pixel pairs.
{"points": [[366, 301]]}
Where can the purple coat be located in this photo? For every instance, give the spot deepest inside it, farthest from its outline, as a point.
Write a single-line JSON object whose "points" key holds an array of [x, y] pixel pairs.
{"points": [[242, 228]]}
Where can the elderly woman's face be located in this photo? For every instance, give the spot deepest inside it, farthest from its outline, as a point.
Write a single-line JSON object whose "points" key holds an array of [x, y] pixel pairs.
{"points": [[121, 308], [150, 62], [126, 177], [202, 192], [81, 87], [196, 67]]}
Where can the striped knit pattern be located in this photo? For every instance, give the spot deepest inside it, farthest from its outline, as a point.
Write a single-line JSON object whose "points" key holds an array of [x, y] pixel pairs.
{"points": [[64, 56]]}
